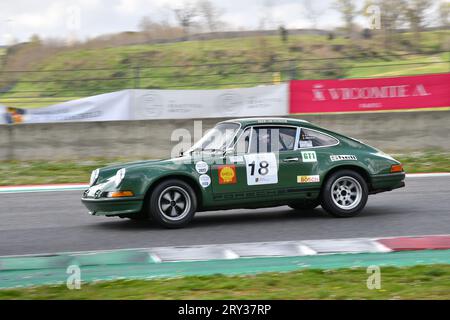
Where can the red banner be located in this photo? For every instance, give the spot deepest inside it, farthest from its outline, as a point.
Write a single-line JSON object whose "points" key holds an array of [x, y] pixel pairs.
{"points": [[343, 95]]}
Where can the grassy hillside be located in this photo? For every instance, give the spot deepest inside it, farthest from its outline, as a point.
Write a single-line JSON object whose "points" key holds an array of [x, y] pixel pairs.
{"points": [[224, 63]]}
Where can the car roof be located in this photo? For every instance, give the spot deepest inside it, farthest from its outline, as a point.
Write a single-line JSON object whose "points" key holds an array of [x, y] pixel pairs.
{"points": [[266, 120]]}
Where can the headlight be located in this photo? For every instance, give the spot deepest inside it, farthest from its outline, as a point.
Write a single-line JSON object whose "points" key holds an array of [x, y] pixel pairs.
{"points": [[119, 176], [94, 177]]}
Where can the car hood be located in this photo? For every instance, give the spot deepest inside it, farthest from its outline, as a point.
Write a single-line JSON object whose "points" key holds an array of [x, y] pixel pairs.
{"points": [[110, 171], [127, 165]]}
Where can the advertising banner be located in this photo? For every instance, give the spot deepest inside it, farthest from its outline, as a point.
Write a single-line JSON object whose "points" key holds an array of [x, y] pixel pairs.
{"points": [[184, 104], [160, 104], [379, 94], [3, 115], [104, 107]]}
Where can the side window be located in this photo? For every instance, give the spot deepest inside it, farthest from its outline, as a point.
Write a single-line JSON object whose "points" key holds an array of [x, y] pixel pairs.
{"points": [[311, 138], [272, 139]]}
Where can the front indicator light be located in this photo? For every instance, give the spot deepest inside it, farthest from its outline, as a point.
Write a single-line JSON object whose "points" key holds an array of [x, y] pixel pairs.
{"points": [[120, 194], [396, 168]]}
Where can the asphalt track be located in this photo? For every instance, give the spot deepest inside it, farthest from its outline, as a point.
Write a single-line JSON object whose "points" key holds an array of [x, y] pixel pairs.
{"points": [[47, 222]]}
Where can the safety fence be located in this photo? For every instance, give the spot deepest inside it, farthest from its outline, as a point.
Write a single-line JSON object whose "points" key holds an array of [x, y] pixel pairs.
{"points": [[295, 97], [45, 86]]}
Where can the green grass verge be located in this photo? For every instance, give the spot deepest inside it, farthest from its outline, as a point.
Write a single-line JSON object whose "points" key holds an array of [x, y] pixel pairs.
{"points": [[417, 282], [425, 162], [44, 172]]}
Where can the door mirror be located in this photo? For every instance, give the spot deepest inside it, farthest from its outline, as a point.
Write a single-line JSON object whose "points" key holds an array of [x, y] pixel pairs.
{"points": [[228, 152]]}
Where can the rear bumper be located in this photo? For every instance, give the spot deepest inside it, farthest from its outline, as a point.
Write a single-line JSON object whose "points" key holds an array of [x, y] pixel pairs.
{"points": [[387, 182], [113, 207]]}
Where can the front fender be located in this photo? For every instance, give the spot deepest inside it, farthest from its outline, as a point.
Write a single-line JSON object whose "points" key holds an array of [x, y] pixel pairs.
{"points": [[141, 180]]}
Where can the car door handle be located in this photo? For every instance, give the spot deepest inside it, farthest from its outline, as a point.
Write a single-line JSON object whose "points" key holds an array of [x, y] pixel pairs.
{"points": [[290, 159]]}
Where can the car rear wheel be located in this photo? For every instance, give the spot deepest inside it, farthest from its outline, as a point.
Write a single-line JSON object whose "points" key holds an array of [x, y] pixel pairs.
{"points": [[172, 204], [344, 194]]}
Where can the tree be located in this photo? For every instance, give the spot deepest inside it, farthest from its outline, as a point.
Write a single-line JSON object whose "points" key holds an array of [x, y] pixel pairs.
{"points": [[311, 13], [210, 14], [158, 30], [283, 33], [347, 9], [35, 39], [416, 11], [185, 16], [266, 19], [444, 14]]}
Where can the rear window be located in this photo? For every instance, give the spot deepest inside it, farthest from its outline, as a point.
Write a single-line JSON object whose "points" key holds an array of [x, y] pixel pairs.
{"points": [[312, 138]]}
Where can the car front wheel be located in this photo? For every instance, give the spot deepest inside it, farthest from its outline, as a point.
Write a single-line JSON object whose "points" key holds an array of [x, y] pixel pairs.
{"points": [[344, 194], [172, 204]]}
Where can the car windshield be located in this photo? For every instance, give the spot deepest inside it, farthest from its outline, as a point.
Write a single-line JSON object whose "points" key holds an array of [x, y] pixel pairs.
{"points": [[216, 139]]}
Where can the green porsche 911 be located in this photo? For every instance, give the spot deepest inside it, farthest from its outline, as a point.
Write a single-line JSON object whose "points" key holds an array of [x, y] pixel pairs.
{"points": [[248, 163]]}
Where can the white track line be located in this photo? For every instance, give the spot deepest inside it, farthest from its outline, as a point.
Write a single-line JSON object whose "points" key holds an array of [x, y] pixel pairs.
{"points": [[428, 175], [44, 188], [81, 187]]}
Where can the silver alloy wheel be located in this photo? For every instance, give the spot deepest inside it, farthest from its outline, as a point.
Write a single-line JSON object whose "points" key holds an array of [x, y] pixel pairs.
{"points": [[174, 203], [346, 192]]}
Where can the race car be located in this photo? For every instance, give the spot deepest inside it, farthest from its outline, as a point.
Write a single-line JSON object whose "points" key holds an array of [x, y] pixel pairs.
{"points": [[248, 163]]}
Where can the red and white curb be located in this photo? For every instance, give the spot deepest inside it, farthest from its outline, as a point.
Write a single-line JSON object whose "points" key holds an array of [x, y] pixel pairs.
{"points": [[300, 248], [278, 248], [83, 186]]}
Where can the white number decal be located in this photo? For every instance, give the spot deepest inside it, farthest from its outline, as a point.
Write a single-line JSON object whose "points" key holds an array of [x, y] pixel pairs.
{"points": [[261, 168]]}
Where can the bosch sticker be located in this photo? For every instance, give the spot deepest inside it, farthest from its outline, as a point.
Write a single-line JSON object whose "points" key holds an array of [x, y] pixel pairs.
{"points": [[308, 179]]}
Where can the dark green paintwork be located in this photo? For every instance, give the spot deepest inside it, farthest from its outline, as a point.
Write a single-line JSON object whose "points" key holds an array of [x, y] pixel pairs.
{"points": [[142, 176]]}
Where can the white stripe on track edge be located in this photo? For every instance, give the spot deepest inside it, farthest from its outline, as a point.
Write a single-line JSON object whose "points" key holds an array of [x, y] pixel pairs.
{"points": [[81, 187], [428, 175], [43, 188]]}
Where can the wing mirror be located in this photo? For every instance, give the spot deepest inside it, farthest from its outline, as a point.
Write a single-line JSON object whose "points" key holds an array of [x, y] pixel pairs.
{"points": [[228, 151]]}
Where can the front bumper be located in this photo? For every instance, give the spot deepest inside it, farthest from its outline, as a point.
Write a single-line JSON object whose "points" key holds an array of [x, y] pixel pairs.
{"points": [[113, 207], [387, 182]]}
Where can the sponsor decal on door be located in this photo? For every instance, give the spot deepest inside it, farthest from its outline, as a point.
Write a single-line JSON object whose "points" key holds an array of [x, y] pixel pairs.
{"points": [[227, 174], [309, 156], [308, 179], [261, 168], [342, 157]]}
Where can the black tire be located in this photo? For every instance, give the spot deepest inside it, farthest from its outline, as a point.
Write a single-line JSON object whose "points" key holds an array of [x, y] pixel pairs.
{"points": [[344, 194], [305, 205], [178, 191]]}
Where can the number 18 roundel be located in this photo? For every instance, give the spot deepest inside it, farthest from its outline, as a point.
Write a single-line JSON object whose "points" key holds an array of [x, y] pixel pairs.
{"points": [[261, 168]]}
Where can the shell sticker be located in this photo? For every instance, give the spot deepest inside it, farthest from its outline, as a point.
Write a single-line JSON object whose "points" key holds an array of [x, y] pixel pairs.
{"points": [[227, 174]]}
